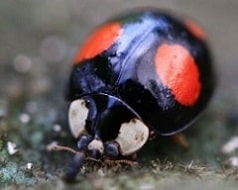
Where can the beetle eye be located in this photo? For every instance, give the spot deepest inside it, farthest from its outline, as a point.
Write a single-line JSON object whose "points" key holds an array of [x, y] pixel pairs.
{"points": [[83, 141], [111, 149]]}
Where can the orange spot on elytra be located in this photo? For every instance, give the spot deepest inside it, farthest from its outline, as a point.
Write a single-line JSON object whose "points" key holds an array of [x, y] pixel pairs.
{"points": [[195, 29], [179, 72], [99, 41]]}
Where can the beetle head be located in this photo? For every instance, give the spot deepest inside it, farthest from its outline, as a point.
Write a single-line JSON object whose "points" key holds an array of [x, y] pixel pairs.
{"points": [[105, 125]]}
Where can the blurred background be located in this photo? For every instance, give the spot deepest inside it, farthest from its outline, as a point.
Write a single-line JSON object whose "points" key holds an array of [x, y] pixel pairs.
{"points": [[38, 41], [40, 36]]}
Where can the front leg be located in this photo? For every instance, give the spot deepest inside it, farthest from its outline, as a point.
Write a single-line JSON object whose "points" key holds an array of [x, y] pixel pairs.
{"points": [[74, 166]]}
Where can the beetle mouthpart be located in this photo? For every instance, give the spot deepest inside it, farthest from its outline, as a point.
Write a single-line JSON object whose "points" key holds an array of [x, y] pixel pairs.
{"points": [[74, 167], [96, 145], [83, 141], [111, 149]]}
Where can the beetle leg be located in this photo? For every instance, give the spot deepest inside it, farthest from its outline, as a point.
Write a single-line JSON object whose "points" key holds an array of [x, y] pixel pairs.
{"points": [[111, 149], [181, 140], [75, 164], [74, 167]]}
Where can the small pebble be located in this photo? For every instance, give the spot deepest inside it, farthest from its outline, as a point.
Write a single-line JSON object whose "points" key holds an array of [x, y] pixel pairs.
{"points": [[40, 85], [29, 166], [57, 128], [22, 63], [24, 118], [101, 173], [230, 146], [53, 49], [11, 148], [232, 161], [32, 107]]}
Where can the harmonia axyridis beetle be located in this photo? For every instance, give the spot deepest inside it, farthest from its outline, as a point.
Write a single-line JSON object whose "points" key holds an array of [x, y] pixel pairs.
{"points": [[142, 72]]}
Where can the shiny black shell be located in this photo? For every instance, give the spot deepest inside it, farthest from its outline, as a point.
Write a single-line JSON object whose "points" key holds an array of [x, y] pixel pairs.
{"points": [[127, 71]]}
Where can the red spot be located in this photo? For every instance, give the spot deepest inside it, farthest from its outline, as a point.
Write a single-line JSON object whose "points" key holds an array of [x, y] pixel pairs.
{"points": [[195, 29], [179, 72], [99, 41]]}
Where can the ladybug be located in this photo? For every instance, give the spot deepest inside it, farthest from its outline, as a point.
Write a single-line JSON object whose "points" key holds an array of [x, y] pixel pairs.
{"points": [[143, 72]]}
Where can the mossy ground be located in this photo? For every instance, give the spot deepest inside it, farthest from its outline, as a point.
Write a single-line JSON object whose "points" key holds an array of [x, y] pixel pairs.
{"points": [[37, 42]]}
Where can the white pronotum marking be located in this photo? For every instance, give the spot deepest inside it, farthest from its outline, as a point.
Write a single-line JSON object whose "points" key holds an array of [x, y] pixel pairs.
{"points": [[132, 136], [96, 145], [78, 113]]}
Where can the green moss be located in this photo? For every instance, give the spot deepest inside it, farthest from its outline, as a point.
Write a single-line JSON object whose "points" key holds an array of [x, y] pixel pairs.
{"points": [[11, 173]]}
